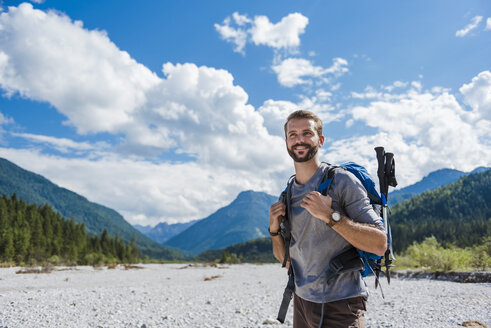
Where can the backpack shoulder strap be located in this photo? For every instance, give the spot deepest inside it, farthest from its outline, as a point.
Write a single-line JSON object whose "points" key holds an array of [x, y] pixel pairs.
{"points": [[285, 229], [327, 178], [285, 226]]}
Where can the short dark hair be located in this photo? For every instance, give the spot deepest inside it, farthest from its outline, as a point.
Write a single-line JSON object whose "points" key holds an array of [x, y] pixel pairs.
{"points": [[299, 114]]}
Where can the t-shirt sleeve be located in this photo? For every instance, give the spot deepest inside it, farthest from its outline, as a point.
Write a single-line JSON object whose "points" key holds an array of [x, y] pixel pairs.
{"points": [[353, 199]]}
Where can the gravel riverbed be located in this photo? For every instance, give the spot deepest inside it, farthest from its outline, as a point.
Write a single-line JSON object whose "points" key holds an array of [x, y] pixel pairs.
{"points": [[181, 295]]}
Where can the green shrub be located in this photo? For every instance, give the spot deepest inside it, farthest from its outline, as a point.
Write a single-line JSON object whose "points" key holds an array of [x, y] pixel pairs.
{"points": [[429, 254], [229, 258], [481, 255], [55, 260], [94, 259]]}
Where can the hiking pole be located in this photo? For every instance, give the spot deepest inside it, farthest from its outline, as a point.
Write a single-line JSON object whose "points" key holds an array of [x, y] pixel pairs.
{"points": [[390, 179], [386, 175], [381, 178]]}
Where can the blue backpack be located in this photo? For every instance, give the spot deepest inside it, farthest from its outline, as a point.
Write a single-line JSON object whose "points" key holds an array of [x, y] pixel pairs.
{"points": [[369, 259]]}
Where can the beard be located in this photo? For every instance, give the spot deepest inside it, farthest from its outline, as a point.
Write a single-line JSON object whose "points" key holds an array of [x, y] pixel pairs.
{"points": [[310, 153]]}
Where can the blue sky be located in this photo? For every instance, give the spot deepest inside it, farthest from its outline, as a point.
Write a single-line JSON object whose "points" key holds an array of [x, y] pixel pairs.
{"points": [[166, 110]]}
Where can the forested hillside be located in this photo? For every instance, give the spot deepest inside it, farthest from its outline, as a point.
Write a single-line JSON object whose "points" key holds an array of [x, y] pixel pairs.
{"points": [[459, 213], [32, 234], [432, 181], [35, 189]]}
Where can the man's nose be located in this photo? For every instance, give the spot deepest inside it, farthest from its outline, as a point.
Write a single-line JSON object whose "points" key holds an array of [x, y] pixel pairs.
{"points": [[300, 138]]}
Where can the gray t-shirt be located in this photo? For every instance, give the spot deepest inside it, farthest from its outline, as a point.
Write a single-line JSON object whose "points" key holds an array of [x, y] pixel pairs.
{"points": [[314, 244]]}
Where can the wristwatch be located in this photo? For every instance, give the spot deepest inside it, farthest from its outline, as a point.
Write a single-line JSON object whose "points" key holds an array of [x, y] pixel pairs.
{"points": [[272, 234], [335, 218]]}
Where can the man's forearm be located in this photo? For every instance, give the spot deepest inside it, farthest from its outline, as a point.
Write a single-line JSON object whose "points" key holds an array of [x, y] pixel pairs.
{"points": [[362, 236], [278, 248]]}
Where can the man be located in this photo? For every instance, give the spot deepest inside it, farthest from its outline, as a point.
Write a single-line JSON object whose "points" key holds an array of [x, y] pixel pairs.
{"points": [[316, 238]]}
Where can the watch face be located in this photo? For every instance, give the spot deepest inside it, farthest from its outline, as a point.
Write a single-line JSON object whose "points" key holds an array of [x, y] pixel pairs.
{"points": [[336, 216]]}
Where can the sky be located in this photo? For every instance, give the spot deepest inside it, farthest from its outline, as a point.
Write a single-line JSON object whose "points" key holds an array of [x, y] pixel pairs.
{"points": [[166, 110]]}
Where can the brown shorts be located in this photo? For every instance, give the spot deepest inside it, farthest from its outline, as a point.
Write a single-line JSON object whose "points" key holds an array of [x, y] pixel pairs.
{"points": [[345, 313]]}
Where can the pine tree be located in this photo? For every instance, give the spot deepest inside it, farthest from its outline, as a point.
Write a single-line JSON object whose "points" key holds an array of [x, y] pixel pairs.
{"points": [[8, 246]]}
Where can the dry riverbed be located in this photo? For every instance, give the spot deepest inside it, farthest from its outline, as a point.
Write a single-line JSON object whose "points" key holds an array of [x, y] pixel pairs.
{"points": [[180, 295]]}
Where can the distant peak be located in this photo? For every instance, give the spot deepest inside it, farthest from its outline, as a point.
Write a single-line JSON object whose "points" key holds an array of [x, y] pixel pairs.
{"points": [[480, 169], [249, 195], [246, 193], [444, 171]]}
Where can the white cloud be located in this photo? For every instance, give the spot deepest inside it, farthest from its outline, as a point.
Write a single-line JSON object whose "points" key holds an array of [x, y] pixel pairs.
{"points": [[236, 36], [47, 57], [336, 86], [396, 84], [213, 119], [475, 22], [290, 71], [477, 94], [282, 35], [488, 24], [240, 29], [426, 130], [240, 20], [298, 71], [388, 93], [4, 121], [63, 145]]}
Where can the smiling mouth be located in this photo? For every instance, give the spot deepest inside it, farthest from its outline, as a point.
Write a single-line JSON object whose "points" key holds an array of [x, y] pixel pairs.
{"points": [[301, 148]]}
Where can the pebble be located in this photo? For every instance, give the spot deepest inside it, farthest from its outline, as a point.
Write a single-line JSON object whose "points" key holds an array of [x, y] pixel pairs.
{"points": [[148, 298]]}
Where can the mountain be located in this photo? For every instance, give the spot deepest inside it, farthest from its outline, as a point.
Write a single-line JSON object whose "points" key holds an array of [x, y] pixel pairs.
{"points": [[246, 218], [143, 229], [458, 213], [164, 231], [430, 182], [36, 189]]}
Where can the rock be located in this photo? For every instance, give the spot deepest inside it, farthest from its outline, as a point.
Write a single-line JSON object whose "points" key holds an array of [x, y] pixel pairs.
{"points": [[270, 321]]}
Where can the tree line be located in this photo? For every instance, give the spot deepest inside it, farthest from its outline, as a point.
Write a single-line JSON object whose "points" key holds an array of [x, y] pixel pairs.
{"points": [[457, 214], [31, 234]]}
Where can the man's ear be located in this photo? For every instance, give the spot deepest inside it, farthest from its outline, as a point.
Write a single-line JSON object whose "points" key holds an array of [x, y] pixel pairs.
{"points": [[321, 141]]}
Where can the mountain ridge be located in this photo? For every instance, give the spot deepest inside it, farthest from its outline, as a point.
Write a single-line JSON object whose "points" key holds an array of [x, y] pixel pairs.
{"points": [[164, 231], [431, 181]]}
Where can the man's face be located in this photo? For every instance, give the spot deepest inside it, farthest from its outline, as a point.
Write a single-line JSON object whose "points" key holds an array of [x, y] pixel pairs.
{"points": [[302, 140]]}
